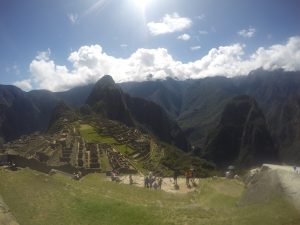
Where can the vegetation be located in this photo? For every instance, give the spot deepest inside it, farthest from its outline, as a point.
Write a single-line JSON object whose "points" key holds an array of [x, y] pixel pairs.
{"points": [[175, 159], [35, 198]]}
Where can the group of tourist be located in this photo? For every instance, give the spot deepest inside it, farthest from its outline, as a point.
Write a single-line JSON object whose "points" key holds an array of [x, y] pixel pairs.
{"points": [[155, 182], [151, 181], [10, 165], [77, 175], [190, 176], [114, 175]]}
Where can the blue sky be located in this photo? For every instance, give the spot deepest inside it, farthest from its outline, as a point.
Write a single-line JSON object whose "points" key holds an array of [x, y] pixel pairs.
{"points": [[56, 45]]}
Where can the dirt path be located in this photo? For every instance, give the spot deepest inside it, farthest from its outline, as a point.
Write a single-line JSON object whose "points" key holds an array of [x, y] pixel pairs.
{"points": [[167, 185], [290, 182]]}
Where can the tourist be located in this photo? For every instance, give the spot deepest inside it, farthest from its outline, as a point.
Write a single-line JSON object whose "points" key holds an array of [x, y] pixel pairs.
{"points": [[76, 176], [160, 180], [237, 177], [150, 179], [187, 178], [146, 182], [175, 176], [113, 176], [155, 185], [193, 177], [130, 179]]}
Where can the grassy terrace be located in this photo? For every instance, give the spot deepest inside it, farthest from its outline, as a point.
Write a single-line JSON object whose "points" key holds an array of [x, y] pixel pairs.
{"points": [[35, 198], [90, 134]]}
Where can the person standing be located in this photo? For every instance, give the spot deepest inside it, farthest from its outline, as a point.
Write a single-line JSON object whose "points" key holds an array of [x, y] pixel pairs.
{"points": [[130, 179], [187, 178], [160, 180], [175, 176]]}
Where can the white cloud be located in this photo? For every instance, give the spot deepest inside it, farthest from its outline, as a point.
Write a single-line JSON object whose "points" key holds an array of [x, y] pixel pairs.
{"points": [[73, 18], [184, 37], [285, 56], [169, 24], [195, 48], [203, 32], [247, 33], [24, 84], [43, 55], [201, 17], [89, 63]]}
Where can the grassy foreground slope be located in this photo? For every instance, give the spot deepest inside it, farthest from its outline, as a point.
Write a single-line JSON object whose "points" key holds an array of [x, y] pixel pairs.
{"points": [[35, 198]]}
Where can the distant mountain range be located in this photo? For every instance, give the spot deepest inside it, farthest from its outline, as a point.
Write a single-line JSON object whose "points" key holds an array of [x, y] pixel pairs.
{"points": [[243, 120], [199, 107]]}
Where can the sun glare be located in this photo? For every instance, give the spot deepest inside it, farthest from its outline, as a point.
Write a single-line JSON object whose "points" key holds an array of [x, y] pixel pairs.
{"points": [[141, 3]]}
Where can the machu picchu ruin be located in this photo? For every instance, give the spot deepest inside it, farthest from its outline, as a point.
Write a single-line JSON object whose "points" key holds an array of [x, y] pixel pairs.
{"points": [[98, 145]]}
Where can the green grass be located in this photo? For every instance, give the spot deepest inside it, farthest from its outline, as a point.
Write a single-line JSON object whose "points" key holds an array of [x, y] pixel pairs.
{"points": [[90, 135], [124, 149], [35, 198], [104, 162]]}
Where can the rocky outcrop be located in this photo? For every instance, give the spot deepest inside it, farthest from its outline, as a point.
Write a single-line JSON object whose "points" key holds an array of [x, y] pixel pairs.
{"points": [[270, 181]]}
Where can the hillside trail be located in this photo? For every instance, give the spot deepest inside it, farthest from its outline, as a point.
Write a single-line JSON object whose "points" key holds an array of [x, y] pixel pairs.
{"points": [[167, 184], [290, 181]]}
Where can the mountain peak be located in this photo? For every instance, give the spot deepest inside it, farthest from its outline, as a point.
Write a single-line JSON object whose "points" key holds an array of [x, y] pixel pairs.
{"points": [[107, 99], [106, 81]]}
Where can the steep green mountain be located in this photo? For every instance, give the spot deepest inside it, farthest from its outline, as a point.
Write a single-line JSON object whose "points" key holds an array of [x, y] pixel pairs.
{"points": [[242, 136], [22, 112], [108, 100], [278, 93], [195, 104], [26, 112], [167, 94], [203, 101], [61, 114]]}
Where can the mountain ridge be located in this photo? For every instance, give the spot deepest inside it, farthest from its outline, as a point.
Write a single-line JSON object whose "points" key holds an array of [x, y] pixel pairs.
{"points": [[196, 105]]}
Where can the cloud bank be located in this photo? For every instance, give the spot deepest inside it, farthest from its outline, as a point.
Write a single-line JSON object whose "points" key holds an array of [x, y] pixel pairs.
{"points": [[89, 63]]}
